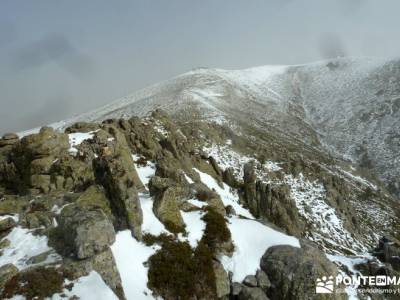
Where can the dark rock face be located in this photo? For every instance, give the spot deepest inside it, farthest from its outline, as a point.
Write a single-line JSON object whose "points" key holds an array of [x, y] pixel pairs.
{"points": [[252, 293], [294, 271], [85, 232], [115, 170], [388, 251], [272, 202]]}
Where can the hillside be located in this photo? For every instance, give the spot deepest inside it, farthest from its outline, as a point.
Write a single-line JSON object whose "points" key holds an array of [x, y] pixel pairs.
{"points": [[215, 184], [349, 106]]}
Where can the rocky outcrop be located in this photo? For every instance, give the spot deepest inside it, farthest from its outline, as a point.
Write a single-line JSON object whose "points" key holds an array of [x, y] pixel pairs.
{"points": [[272, 202], [33, 157], [94, 198], [8, 139], [388, 251], [115, 170], [85, 233], [294, 271], [253, 287], [167, 197]]}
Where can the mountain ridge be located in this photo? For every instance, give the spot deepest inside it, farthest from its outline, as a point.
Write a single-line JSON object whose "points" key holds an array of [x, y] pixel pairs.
{"points": [[347, 106]]}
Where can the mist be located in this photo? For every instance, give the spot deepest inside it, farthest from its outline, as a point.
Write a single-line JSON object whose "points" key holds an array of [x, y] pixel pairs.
{"points": [[58, 59]]}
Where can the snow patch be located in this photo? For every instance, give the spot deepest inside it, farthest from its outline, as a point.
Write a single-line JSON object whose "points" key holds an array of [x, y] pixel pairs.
{"points": [[144, 172], [194, 227], [228, 158], [75, 139], [150, 222], [228, 196], [130, 256], [90, 287], [14, 217], [327, 226], [251, 240], [23, 246], [197, 203]]}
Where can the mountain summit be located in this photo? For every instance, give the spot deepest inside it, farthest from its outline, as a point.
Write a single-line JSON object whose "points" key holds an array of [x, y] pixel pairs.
{"points": [[347, 106]]}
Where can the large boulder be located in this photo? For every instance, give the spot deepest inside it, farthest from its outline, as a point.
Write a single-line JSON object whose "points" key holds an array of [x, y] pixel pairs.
{"points": [[166, 208], [293, 272], [85, 232], [8, 139], [33, 156], [46, 142], [7, 223], [252, 293], [72, 174], [94, 198]]}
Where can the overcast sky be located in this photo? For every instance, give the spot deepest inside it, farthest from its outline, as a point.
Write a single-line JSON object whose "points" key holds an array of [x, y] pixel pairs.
{"points": [[60, 58]]}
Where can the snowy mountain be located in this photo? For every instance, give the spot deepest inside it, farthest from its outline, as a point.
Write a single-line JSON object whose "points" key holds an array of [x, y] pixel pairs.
{"points": [[215, 184], [348, 106]]}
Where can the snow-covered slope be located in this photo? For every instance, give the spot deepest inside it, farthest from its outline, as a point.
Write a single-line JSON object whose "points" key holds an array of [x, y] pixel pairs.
{"points": [[350, 106]]}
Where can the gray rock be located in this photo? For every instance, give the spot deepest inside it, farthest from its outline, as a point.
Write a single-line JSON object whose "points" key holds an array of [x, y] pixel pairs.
{"points": [[8, 139], [263, 280], [252, 293], [166, 208], [37, 259], [229, 178], [236, 288], [6, 273], [10, 136], [7, 224], [294, 271], [46, 142], [104, 264], [116, 171], [85, 233], [221, 280], [37, 219], [230, 211], [41, 182], [4, 243], [250, 280]]}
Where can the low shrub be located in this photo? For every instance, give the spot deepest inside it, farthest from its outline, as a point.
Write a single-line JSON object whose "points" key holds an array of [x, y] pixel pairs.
{"points": [[37, 283], [172, 271], [216, 231]]}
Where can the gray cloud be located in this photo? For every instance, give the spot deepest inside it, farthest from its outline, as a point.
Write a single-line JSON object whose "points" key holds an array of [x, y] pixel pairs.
{"points": [[331, 45], [59, 58], [53, 48]]}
